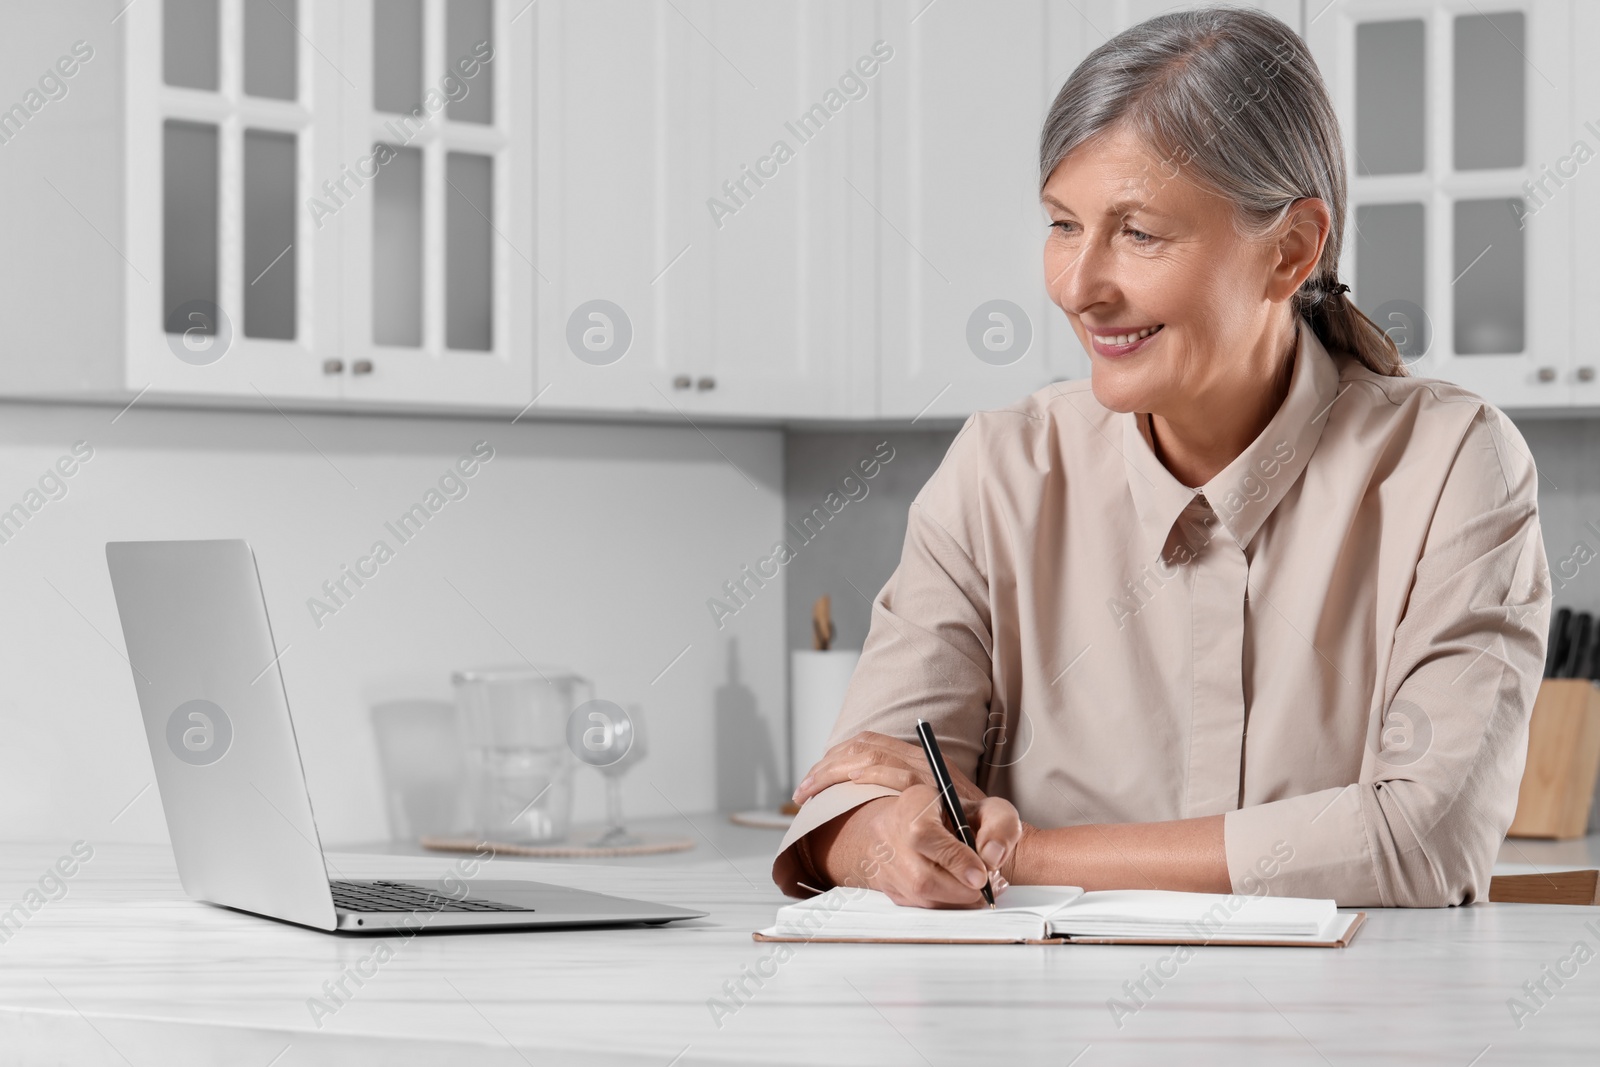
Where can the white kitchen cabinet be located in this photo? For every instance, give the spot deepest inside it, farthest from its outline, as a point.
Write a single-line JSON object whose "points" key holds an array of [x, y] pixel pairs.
{"points": [[614, 222], [1585, 243], [793, 175], [1455, 113], [967, 321], [233, 179], [781, 183], [438, 246], [737, 273], [230, 289], [618, 218]]}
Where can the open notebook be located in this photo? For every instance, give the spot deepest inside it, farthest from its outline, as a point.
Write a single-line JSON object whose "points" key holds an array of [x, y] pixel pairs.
{"points": [[1056, 913]]}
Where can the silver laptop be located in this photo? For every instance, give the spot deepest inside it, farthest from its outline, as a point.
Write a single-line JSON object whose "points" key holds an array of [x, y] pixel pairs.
{"points": [[217, 718]]}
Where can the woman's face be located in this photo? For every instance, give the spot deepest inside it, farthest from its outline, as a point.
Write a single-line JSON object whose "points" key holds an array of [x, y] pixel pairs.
{"points": [[1135, 246]]}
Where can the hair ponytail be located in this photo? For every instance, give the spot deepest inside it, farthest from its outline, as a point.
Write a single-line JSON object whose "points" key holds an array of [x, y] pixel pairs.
{"points": [[1343, 327]]}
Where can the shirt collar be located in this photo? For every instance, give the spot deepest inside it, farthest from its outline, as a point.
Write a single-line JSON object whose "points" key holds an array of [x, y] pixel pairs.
{"points": [[1244, 492]]}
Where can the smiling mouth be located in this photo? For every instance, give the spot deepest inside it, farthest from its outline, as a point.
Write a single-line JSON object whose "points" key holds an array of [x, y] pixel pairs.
{"points": [[1120, 339]]}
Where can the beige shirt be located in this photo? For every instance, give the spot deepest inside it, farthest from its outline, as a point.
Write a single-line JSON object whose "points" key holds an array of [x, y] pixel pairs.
{"points": [[1336, 641]]}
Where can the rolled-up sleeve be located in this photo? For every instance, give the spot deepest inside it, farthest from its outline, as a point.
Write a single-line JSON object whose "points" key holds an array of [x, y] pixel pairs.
{"points": [[927, 652], [1438, 786]]}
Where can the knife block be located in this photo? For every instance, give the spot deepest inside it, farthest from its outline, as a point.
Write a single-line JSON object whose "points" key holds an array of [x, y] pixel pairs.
{"points": [[1558, 781]]}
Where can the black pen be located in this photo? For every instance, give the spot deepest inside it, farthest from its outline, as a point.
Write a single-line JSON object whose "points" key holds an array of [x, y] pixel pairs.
{"points": [[947, 793]]}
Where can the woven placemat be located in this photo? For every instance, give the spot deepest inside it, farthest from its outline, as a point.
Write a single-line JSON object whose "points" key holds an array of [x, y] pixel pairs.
{"points": [[650, 845], [762, 819]]}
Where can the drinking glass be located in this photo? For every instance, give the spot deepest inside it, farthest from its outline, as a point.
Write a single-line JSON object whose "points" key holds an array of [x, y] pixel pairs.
{"points": [[610, 740], [519, 766]]}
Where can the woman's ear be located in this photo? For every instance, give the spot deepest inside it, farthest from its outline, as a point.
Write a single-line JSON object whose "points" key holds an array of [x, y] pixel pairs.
{"points": [[1301, 237]]}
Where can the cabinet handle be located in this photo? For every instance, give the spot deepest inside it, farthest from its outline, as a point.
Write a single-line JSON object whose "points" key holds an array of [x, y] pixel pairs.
{"points": [[1585, 374], [706, 383], [361, 366], [1547, 374], [681, 382], [333, 366]]}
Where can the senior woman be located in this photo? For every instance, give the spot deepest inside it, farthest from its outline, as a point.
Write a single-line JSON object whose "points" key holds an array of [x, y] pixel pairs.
{"points": [[1251, 610]]}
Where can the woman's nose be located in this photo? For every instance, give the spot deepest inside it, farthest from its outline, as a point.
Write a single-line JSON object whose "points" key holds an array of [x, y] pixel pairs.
{"points": [[1079, 276]]}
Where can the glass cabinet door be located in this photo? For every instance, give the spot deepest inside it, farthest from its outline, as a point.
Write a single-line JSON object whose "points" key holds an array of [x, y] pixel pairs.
{"points": [[1585, 206], [229, 279], [1458, 245], [319, 199], [438, 226]]}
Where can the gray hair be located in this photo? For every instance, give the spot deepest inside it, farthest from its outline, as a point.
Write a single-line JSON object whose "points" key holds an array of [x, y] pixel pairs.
{"points": [[1232, 97]]}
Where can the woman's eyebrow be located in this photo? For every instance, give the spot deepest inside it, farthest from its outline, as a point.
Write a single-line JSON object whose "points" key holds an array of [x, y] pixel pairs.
{"points": [[1120, 209], [1129, 207]]}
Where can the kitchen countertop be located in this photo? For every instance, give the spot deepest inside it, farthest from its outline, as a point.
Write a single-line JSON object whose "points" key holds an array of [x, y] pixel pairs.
{"points": [[123, 969]]}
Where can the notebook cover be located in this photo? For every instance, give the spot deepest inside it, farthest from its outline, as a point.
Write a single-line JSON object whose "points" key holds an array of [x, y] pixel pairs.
{"points": [[1349, 935]]}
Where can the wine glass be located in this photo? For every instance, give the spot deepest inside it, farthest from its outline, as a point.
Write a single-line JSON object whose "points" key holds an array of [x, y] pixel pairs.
{"points": [[611, 740]]}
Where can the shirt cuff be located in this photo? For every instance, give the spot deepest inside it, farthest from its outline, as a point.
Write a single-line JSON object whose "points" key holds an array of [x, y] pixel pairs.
{"points": [[1313, 845], [826, 806]]}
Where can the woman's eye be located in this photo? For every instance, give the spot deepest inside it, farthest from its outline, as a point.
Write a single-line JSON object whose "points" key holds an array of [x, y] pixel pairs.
{"points": [[1139, 236]]}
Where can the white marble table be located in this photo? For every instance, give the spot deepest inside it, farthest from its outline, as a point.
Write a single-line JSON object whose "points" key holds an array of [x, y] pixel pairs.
{"points": [[123, 970]]}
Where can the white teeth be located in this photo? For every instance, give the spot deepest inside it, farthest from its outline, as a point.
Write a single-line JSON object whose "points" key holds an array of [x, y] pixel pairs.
{"points": [[1126, 338]]}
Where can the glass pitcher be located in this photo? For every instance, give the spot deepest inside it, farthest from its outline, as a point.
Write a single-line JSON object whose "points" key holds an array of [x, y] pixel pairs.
{"points": [[519, 768]]}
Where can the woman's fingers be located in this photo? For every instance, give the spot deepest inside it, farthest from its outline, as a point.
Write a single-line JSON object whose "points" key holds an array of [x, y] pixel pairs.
{"points": [[844, 761], [998, 830], [919, 871], [932, 839], [910, 754], [894, 777], [921, 883], [889, 744], [830, 771], [925, 864], [865, 754]]}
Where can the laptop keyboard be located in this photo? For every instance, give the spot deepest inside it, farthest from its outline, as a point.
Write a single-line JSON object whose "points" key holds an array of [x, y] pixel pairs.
{"points": [[403, 896]]}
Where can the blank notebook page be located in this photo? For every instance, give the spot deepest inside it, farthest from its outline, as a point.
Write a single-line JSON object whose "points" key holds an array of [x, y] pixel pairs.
{"points": [[1020, 912], [1038, 911], [1160, 913]]}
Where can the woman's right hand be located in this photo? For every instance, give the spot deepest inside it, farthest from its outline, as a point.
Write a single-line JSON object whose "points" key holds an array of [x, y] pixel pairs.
{"points": [[916, 861]]}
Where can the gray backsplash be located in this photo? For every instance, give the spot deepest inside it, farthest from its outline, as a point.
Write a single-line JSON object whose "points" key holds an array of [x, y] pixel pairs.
{"points": [[852, 555], [1567, 452]]}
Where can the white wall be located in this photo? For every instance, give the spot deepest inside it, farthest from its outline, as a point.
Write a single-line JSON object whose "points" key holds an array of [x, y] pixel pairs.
{"points": [[590, 545]]}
